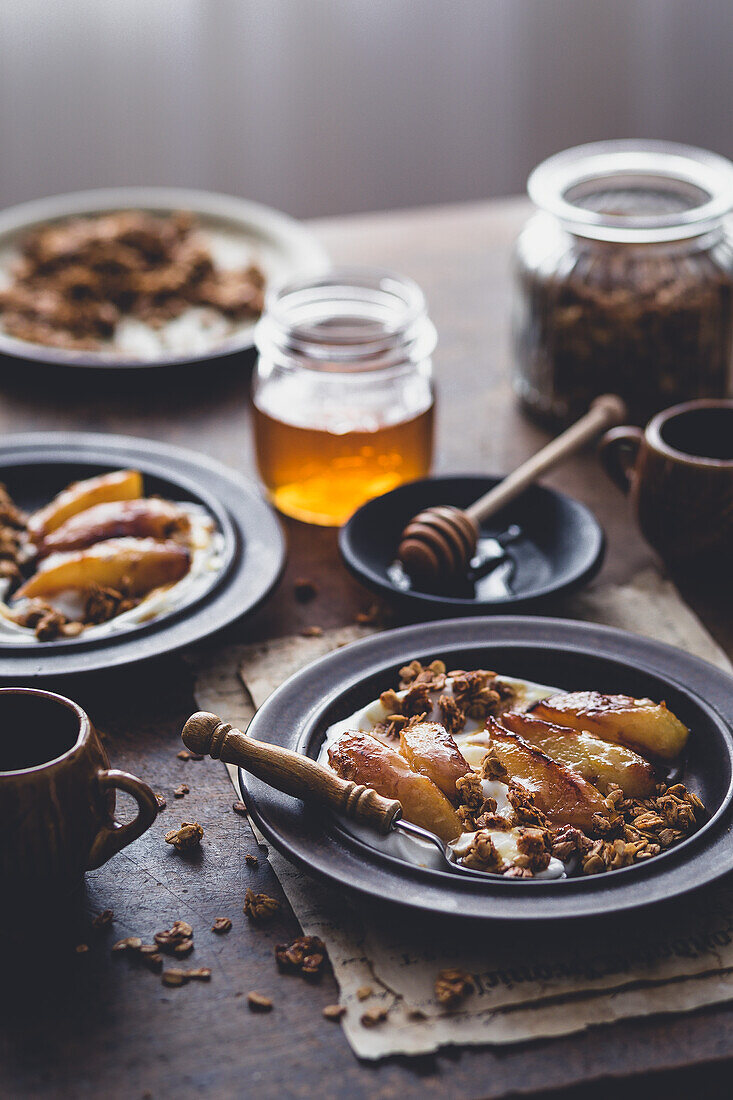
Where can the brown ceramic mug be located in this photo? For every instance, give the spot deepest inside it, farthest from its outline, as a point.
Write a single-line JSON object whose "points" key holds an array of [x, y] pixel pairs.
{"points": [[57, 794], [679, 475]]}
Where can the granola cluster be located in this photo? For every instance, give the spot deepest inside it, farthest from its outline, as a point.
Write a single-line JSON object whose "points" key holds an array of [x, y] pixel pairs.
{"points": [[12, 530], [631, 830], [306, 955], [74, 281], [469, 695], [102, 604], [634, 829], [452, 986]]}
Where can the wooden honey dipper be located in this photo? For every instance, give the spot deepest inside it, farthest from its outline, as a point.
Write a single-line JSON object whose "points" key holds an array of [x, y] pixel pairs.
{"points": [[438, 544]]}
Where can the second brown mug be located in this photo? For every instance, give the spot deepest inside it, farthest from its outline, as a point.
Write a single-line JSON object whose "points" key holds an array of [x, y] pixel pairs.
{"points": [[678, 472]]}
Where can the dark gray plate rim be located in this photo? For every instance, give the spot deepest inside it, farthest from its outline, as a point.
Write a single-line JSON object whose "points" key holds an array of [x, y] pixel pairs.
{"points": [[254, 558], [298, 712], [588, 563]]}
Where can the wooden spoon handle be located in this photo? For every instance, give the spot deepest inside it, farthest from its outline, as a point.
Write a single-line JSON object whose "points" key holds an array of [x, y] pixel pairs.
{"points": [[604, 413], [289, 772]]}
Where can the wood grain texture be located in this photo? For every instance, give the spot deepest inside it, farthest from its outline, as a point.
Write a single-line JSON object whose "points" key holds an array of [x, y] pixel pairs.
{"points": [[110, 1028]]}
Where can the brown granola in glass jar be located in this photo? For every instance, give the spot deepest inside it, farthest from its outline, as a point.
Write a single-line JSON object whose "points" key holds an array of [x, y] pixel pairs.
{"points": [[624, 280]]}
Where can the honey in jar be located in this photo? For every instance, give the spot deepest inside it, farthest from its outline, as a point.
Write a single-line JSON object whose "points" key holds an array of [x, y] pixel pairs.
{"points": [[343, 396]]}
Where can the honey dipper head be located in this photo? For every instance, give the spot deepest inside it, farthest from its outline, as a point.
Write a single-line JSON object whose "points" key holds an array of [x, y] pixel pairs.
{"points": [[198, 732], [437, 545]]}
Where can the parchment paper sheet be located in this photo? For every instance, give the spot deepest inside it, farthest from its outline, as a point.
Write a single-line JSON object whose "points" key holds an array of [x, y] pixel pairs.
{"points": [[526, 987]]}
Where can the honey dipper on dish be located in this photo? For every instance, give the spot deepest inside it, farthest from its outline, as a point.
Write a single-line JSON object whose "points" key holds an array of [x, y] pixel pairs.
{"points": [[437, 545]]}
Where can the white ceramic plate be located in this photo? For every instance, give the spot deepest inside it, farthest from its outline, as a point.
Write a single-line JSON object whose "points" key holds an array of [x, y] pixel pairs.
{"points": [[239, 232]]}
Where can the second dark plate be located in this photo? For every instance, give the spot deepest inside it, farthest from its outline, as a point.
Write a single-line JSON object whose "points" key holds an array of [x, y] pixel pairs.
{"points": [[561, 546], [37, 465]]}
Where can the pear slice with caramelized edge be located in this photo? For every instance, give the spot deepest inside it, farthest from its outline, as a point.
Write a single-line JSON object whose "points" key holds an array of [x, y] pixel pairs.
{"points": [[118, 485], [363, 759], [141, 518], [430, 749], [600, 762], [644, 726], [138, 565], [562, 794]]}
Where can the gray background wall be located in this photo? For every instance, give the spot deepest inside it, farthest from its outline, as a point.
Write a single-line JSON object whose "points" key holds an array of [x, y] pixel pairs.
{"points": [[331, 106]]}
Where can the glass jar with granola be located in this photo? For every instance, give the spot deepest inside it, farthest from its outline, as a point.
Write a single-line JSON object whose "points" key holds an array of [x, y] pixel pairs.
{"points": [[624, 279]]}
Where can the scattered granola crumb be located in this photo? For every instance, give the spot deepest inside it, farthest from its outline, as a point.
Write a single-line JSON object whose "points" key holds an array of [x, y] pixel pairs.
{"points": [[363, 992], [260, 908], [306, 955], [184, 754], [258, 1002], [176, 940], [221, 924], [151, 958], [251, 861], [334, 1012], [368, 617], [185, 839], [174, 978], [305, 590], [199, 974], [81, 948], [130, 943], [160, 799], [103, 919], [181, 790], [311, 632], [239, 808], [373, 1016], [452, 987]]}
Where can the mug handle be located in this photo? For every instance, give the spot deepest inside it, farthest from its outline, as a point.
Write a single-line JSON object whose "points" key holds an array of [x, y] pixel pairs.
{"points": [[113, 838], [617, 451]]}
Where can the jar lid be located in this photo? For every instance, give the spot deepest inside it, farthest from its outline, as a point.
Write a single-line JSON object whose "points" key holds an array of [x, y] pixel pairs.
{"points": [[635, 191]]}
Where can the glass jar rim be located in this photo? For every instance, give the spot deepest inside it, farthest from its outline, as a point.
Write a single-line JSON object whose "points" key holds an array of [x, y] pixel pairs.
{"points": [[300, 321], [635, 162]]}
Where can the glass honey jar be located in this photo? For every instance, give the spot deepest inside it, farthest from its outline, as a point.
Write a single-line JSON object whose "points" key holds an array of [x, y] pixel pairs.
{"points": [[343, 391]]}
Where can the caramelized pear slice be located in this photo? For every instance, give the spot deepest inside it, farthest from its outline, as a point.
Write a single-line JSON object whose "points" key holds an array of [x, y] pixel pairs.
{"points": [[562, 794], [600, 762], [118, 485], [138, 565], [141, 518], [430, 749], [360, 757], [646, 727]]}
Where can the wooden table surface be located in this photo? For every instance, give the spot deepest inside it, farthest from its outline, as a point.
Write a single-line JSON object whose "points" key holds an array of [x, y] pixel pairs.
{"points": [[93, 1024]]}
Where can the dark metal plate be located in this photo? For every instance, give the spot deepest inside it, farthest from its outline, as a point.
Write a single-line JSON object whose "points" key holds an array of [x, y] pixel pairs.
{"points": [[37, 465], [571, 655]]}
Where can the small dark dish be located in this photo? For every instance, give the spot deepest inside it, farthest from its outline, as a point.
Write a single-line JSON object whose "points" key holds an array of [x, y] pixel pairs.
{"points": [[570, 655], [37, 465], [560, 548]]}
